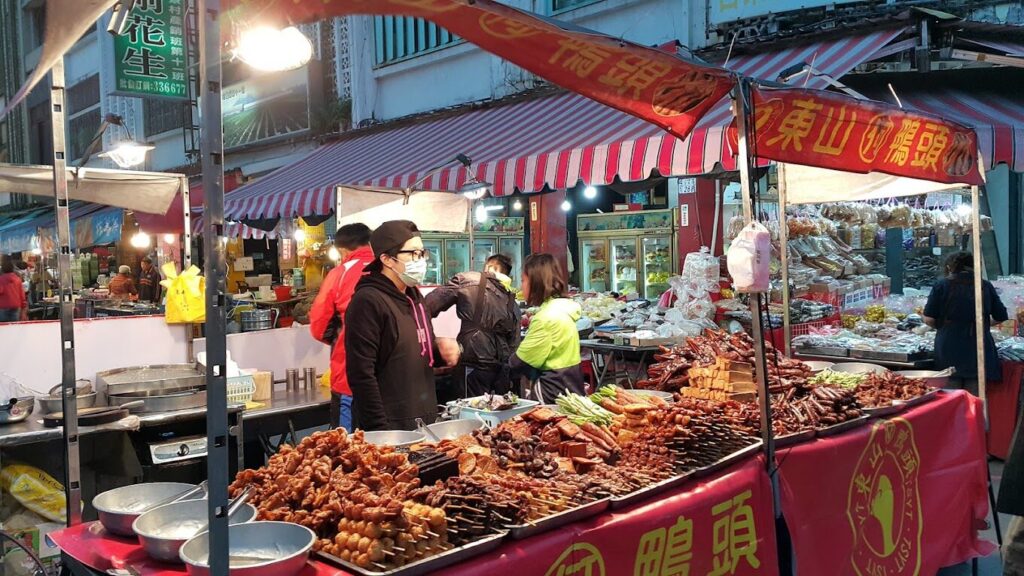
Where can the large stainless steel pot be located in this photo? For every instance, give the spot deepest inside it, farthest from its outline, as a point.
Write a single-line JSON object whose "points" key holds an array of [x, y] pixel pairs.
{"points": [[163, 530], [255, 320], [167, 377], [52, 405], [932, 378], [255, 549], [118, 508], [16, 410], [394, 438], [858, 368], [452, 429]]}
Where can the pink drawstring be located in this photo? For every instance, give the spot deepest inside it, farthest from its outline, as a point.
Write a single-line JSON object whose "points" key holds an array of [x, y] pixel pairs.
{"points": [[426, 345], [430, 343]]}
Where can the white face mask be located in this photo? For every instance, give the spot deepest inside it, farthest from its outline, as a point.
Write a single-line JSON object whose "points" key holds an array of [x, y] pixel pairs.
{"points": [[415, 272]]}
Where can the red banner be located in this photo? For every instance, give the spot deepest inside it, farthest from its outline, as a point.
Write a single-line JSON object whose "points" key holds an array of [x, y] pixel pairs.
{"points": [[829, 130], [648, 83], [721, 526], [904, 496]]}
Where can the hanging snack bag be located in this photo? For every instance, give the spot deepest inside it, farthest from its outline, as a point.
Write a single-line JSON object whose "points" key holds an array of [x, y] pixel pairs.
{"points": [[750, 258]]}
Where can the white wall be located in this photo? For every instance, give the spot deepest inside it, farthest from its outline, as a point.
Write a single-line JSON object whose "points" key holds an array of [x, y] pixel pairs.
{"points": [[30, 352], [464, 73]]}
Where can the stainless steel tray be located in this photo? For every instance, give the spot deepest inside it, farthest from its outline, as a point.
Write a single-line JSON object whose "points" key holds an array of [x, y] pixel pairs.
{"points": [[791, 439], [926, 397], [822, 351], [166, 377], [888, 356], [843, 426], [737, 456], [652, 490], [882, 411], [426, 565], [569, 516]]}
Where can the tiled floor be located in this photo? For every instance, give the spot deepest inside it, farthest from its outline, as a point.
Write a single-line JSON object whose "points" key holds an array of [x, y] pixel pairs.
{"points": [[990, 566]]}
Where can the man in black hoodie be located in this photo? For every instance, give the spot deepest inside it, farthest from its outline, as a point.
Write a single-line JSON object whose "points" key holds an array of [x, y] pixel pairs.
{"points": [[389, 342]]}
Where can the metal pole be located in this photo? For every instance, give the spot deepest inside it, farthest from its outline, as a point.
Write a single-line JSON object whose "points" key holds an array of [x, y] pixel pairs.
{"points": [[186, 236], [787, 324], [216, 343], [72, 462], [472, 236], [979, 308], [743, 109]]}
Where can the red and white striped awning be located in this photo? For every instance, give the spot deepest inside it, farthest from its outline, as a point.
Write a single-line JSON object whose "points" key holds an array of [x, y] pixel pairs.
{"points": [[996, 115], [551, 142]]}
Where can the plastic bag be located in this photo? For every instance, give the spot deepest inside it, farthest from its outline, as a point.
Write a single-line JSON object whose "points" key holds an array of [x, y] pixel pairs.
{"points": [[185, 303], [35, 490], [750, 258]]}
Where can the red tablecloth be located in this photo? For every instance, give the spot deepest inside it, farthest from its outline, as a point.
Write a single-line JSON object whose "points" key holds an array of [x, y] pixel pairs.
{"points": [[1003, 408], [900, 494], [905, 495], [723, 522]]}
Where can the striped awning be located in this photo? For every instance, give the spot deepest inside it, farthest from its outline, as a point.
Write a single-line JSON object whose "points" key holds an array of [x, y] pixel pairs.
{"points": [[551, 142], [996, 115]]}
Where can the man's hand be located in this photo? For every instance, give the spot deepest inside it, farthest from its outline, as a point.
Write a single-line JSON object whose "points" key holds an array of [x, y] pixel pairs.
{"points": [[449, 350]]}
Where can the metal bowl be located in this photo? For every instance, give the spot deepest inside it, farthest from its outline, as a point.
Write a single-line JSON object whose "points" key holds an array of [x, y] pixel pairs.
{"points": [[932, 378], [18, 412], [667, 396], [51, 405], [452, 429], [819, 365], [255, 549], [118, 508], [858, 368], [163, 530], [394, 438]]}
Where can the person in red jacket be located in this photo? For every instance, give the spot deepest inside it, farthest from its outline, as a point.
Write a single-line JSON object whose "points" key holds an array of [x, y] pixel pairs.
{"points": [[13, 304], [326, 317]]}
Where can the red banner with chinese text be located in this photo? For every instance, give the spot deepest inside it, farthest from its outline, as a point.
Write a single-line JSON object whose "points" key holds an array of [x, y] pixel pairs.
{"points": [[648, 83], [902, 497], [839, 132]]}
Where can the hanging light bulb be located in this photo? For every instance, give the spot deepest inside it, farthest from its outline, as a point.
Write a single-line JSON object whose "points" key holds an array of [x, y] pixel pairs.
{"points": [[566, 206], [170, 238], [517, 205], [140, 240], [299, 235], [590, 192], [334, 254], [272, 50]]}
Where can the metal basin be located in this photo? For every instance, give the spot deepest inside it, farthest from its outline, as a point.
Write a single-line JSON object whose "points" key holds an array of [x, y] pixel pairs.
{"points": [[858, 368], [667, 396], [147, 378], [452, 429], [52, 405], [18, 412], [394, 438], [118, 508], [933, 378], [255, 549], [819, 365], [163, 530], [162, 401]]}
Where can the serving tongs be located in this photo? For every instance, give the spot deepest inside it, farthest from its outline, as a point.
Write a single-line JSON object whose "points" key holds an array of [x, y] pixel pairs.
{"points": [[233, 507]]}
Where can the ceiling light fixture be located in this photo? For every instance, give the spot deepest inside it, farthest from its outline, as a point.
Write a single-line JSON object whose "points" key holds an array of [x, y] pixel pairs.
{"points": [[590, 192]]}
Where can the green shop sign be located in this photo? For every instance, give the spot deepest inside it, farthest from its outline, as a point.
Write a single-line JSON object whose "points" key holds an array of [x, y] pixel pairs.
{"points": [[150, 56]]}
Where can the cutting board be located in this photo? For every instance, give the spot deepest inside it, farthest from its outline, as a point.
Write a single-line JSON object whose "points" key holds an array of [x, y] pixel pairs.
{"points": [[88, 416]]}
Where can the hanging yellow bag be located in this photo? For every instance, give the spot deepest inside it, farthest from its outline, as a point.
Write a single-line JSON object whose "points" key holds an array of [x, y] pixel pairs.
{"points": [[35, 490], [185, 295]]}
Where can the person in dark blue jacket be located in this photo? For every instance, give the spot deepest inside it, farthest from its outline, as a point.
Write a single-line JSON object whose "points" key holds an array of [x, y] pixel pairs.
{"points": [[950, 310]]}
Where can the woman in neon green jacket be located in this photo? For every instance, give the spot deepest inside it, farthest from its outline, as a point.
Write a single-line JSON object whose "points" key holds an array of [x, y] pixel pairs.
{"points": [[549, 355]]}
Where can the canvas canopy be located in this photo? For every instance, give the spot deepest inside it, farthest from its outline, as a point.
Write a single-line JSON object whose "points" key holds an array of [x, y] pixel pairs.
{"points": [[434, 211], [148, 192]]}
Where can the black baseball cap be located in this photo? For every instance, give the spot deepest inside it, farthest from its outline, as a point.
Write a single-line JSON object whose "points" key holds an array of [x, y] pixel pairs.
{"points": [[389, 236]]}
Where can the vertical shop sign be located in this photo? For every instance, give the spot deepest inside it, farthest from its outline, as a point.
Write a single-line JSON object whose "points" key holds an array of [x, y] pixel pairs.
{"points": [[149, 57]]}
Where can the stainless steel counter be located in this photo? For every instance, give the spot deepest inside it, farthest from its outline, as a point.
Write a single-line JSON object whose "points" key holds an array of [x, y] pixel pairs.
{"points": [[32, 430], [284, 402]]}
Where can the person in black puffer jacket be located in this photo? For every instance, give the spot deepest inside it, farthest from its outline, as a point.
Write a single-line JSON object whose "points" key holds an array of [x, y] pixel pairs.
{"points": [[490, 325], [389, 341]]}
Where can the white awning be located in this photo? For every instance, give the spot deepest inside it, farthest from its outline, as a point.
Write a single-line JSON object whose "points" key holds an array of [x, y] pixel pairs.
{"points": [[434, 211], [807, 185], [149, 192]]}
